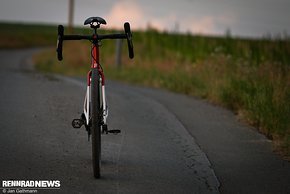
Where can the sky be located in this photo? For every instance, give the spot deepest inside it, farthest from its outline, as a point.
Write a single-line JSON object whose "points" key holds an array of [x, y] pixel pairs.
{"points": [[245, 18]]}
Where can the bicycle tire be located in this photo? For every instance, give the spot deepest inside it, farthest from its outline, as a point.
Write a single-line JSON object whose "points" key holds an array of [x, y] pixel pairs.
{"points": [[95, 124]]}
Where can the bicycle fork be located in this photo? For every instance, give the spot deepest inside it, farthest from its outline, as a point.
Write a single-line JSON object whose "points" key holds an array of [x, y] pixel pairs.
{"points": [[104, 111]]}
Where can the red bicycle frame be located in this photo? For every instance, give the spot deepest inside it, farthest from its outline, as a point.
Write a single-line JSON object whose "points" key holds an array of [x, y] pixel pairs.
{"points": [[95, 63]]}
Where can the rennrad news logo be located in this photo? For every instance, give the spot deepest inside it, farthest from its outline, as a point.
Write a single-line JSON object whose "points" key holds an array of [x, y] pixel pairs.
{"points": [[31, 184], [28, 186]]}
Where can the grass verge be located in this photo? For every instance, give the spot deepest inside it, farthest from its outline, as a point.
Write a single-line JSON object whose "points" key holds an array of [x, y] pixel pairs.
{"points": [[257, 90]]}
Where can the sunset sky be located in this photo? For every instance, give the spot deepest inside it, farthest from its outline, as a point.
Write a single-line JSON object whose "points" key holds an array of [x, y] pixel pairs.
{"points": [[254, 18]]}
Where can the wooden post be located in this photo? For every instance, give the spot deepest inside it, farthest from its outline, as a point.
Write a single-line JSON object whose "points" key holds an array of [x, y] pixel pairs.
{"points": [[70, 15]]}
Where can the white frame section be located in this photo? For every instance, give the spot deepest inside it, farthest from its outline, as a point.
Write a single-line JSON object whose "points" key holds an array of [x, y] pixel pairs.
{"points": [[87, 105], [103, 103]]}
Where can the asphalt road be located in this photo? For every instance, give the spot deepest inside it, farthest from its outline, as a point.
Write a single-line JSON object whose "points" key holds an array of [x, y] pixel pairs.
{"points": [[170, 143]]}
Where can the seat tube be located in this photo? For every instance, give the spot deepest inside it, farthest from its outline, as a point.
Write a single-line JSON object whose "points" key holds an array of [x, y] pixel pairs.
{"points": [[95, 55]]}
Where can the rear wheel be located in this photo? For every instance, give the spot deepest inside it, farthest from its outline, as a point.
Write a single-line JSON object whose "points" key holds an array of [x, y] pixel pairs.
{"points": [[96, 123]]}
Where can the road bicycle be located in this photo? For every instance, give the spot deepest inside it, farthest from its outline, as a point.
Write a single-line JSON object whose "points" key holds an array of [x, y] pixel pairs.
{"points": [[95, 112]]}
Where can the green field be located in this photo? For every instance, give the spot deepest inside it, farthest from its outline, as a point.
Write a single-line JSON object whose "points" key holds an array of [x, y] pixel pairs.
{"points": [[250, 77]]}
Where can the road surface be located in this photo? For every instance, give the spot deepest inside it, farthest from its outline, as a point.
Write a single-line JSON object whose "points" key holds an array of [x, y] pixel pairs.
{"points": [[170, 143]]}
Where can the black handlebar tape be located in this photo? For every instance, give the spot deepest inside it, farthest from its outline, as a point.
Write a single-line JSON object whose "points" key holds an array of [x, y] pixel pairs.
{"points": [[59, 42], [129, 40]]}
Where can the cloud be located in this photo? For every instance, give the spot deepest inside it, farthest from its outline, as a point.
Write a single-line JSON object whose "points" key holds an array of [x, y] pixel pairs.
{"points": [[135, 12], [207, 24], [163, 23], [203, 25], [125, 10]]}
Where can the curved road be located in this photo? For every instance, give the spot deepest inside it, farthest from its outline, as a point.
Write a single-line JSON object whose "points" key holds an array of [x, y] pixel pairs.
{"points": [[169, 143]]}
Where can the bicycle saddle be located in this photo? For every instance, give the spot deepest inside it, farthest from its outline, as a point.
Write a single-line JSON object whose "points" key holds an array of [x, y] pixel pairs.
{"points": [[92, 20]]}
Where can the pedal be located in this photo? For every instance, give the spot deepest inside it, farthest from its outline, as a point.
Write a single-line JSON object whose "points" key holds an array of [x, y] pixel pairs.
{"points": [[77, 123], [114, 131]]}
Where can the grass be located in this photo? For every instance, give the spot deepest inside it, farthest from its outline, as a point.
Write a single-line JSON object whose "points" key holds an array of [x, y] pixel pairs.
{"points": [[250, 77], [18, 35]]}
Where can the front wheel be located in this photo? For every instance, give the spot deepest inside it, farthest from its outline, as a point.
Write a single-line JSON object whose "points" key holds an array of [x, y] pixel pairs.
{"points": [[96, 123]]}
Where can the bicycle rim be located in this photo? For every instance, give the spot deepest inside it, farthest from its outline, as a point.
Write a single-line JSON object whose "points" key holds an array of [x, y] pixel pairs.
{"points": [[95, 125]]}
